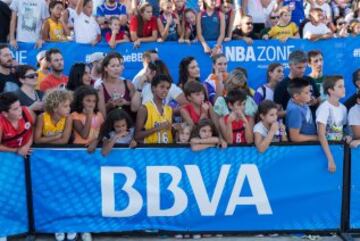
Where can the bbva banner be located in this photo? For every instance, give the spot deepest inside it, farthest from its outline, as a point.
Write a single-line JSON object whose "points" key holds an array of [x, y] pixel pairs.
{"points": [[13, 206], [341, 56], [237, 189]]}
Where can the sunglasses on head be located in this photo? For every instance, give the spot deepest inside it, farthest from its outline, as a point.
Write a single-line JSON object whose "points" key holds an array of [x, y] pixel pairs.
{"points": [[31, 76]]}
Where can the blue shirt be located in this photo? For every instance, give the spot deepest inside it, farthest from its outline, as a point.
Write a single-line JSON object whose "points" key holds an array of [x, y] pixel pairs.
{"points": [[106, 11], [210, 25], [300, 117], [298, 14]]}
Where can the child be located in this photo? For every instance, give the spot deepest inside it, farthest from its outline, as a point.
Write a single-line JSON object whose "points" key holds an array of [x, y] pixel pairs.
{"points": [[204, 136], [118, 34], [54, 126], [210, 26], [354, 121], [331, 116], [168, 22], [268, 129], [86, 117], [197, 108], [154, 118], [16, 125], [236, 127], [227, 9], [189, 27], [284, 28], [117, 129], [183, 133], [299, 118], [54, 28]]}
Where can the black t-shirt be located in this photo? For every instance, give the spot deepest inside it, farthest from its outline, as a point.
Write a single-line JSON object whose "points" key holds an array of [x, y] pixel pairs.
{"points": [[5, 16], [281, 95], [25, 100], [8, 83], [238, 34]]}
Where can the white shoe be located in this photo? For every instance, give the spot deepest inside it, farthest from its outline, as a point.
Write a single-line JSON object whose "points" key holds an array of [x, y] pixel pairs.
{"points": [[59, 236], [71, 236], [3, 238], [196, 236], [86, 237]]}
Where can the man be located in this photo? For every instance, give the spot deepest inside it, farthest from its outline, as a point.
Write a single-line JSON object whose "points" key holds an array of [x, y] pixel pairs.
{"points": [[147, 57], [245, 31], [316, 29], [5, 16], [297, 64], [316, 63], [56, 79], [8, 81], [27, 17]]}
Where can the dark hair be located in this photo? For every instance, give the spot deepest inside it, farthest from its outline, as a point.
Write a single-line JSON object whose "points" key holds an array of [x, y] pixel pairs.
{"points": [[79, 95], [297, 57], [111, 118], [75, 76], [161, 68], [183, 70], [53, 4], [107, 59], [140, 19], [113, 18], [356, 76], [6, 100], [296, 85], [147, 53], [270, 69], [235, 95], [313, 53], [160, 78], [3, 46], [193, 87], [264, 108], [21, 71], [215, 57], [330, 82], [337, 18], [202, 123], [50, 52], [86, 2]]}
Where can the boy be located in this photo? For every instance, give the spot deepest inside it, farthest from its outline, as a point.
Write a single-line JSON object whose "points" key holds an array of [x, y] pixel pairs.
{"points": [[299, 119], [284, 28], [119, 33], [235, 127], [16, 125], [54, 28], [154, 119], [331, 116]]}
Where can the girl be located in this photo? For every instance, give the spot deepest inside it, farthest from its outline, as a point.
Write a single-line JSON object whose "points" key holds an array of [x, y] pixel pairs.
{"points": [[117, 129], [79, 76], [87, 120], [86, 29], [189, 34], [54, 28], [204, 136], [168, 22], [188, 71], [227, 9], [210, 26], [143, 27], [183, 133], [268, 129], [55, 124], [274, 74], [119, 33]]}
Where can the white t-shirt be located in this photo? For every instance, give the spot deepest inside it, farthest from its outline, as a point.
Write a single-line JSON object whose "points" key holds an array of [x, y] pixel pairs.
{"points": [[147, 94], [258, 12], [310, 29], [136, 80], [354, 115], [263, 131], [30, 15], [86, 28], [325, 7], [334, 117], [269, 93]]}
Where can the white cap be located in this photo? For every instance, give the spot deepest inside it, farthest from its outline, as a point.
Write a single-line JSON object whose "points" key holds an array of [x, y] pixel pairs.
{"points": [[40, 55], [97, 56]]}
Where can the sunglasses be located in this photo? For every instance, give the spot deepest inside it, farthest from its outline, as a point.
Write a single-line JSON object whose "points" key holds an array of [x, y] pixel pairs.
{"points": [[274, 17], [341, 23], [31, 76]]}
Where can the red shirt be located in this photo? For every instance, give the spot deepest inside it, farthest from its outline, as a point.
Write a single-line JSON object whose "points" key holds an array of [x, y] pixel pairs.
{"points": [[119, 36], [148, 26], [53, 82], [193, 114], [238, 130], [15, 138]]}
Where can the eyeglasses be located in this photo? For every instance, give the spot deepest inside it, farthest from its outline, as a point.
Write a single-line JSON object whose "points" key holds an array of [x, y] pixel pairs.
{"points": [[341, 23], [31, 76], [274, 17]]}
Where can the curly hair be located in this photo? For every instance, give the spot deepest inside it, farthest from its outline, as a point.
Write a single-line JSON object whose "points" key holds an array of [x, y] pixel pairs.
{"points": [[79, 95], [55, 97]]}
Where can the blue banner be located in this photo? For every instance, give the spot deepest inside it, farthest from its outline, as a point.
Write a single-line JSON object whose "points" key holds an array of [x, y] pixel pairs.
{"points": [[13, 208], [341, 56], [355, 189], [236, 189]]}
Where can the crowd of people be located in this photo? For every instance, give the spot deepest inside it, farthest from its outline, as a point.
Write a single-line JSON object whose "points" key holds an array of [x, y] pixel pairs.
{"points": [[95, 106]]}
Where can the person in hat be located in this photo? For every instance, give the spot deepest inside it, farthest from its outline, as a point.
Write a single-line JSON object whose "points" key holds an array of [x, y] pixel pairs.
{"points": [[43, 67], [94, 61]]}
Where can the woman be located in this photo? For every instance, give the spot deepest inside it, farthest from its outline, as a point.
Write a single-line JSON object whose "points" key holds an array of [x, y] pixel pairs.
{"points": [[27, 94], [188, 71], [79, 76], [143, 27], [116, 92]]}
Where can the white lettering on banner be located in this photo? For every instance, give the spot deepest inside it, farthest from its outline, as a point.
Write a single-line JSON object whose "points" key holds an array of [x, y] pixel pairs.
{"points": [[133, 57], [207, 206], [20, 56], [108, 192], [260, 53]]}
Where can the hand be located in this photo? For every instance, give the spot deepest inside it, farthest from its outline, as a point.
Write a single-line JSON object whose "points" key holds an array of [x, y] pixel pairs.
{"points": [[88, 111], [232, 117], [274, 127], [206, 48], [169, 19], [227, 39], [205, 107], [39, 43], [92, 146], [331, 166], [348, 139], [284, 40], [24, 151], [122, 102], [121, 135], [248, 40], [114, 31], [133, 144], [37, 106], [164, 126], [354, 143], [13, 44], [187, 41], [160, 40], [265, 37], [216, 50], [137, 43], [94, 42], [222, 143]]}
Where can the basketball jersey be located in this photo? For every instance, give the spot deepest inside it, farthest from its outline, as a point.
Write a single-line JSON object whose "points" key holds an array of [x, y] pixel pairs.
{"points": [[56, 31], [51, 129], [154, 118], [238, 130]]}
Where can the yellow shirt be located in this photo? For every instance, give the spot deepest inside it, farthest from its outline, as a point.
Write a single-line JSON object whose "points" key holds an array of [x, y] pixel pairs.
{"points": [[96, 123], [153, 119], [50, 128], [56, 31], [41, 76], [282, 32]]}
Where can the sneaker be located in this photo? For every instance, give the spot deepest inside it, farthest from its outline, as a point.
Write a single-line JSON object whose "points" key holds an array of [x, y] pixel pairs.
{"points": [[3, 238], [219, 236], [59, 236], [71, 236], [311, 237], [86, 237], [196, 236]]}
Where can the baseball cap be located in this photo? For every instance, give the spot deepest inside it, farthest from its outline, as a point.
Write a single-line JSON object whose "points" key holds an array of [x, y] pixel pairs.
{"points": [[97, 56], [40, 55]]}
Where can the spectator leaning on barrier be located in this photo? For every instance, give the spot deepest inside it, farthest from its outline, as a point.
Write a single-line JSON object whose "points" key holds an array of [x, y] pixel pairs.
{"points": [[272, 21], [189, 27], [8, 80], [56, 79], [110, 8], [54, 28], [354, 28], [26, 19], [69, 16], [341, 27], [119, 33], [227, 9], [354, 121], [86, 29], [244, 30], [316, 29], [168, 22]]}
